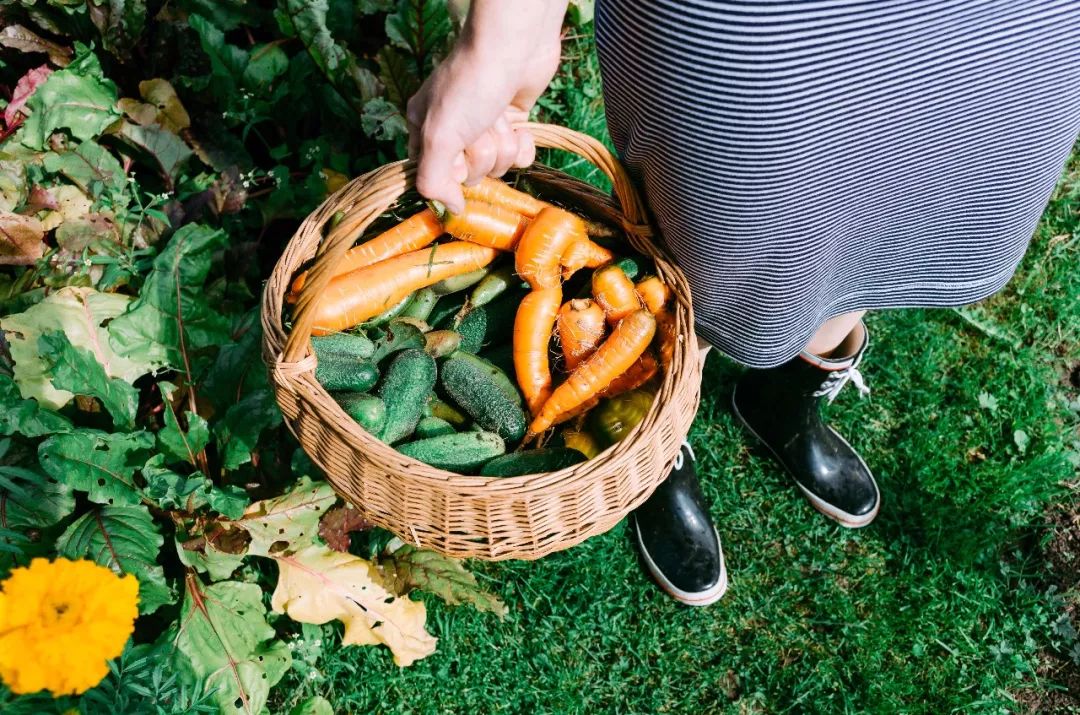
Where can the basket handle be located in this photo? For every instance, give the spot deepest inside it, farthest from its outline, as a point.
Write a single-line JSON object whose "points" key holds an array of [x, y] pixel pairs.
{"points": [[378, 190]]}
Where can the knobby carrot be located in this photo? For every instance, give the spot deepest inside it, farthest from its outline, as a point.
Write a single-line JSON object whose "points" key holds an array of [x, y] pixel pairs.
{"points": [[584, 254], [654, 293], [615, 293], [665, 329], [581, 330], [532, 330], [354, 297], [639, 373], [627, 342], [486, 225], [497, 192], [413, 233], [543, 243]]}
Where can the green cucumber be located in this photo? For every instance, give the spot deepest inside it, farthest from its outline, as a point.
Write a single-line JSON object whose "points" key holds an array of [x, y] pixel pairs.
{"points": [[493, 285], [490, 371], [405, 389], [475, 386], [473, 328], [453, 284], [463, 452], [422, 304], [350, 344], [446, 411], [433, 427], [368, 411], [338, 371], [397, 336], [389, 314], [532, 461]]}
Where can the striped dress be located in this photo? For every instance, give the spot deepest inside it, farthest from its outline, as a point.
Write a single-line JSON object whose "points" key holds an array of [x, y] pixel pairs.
{"points": [[808, 158]]}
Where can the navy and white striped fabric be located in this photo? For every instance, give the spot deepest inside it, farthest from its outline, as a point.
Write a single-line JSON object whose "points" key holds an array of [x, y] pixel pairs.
{"points": [[809, 158]]}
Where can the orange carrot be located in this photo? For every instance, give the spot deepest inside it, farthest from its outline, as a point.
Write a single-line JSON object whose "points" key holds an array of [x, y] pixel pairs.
{"points": [[544, 241], [413, 233], [665, 329], [584, 254], [581, 330], [615, 356], [486, 225], [654, 293], [615, 293], [354, 297], [639, 373], [497, 192], [532, 331]]}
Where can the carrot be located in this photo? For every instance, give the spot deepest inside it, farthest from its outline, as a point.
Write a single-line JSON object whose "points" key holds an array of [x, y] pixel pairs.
{"points": [[413, 233], [485, 224], [627, 342], [497, 192], [654, 293], [639, 373], [581, 330], [544, 241], [584, 254], [532, 331], [615, 293], [354, 297], [665, 328]]}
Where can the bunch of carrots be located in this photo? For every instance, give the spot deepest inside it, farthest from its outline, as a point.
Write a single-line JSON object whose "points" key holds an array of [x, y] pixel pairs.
{"points": [[569, 352]]}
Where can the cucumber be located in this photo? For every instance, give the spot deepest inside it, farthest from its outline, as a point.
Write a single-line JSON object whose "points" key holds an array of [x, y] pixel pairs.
{"points": [[440, 343], [532, 461], [389, 314], [500, 378], [350, 344], [453, 284], [422, 304], [474, 386], [433, 427], [397, 336], [447, 412], [368, 411], [342, 362], [446, 309], [405, 389], [473, 328], [457, 452], [493, 285]]}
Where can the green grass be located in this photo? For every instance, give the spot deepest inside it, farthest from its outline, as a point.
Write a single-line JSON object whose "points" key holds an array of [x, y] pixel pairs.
{"points": [[940, 606]]}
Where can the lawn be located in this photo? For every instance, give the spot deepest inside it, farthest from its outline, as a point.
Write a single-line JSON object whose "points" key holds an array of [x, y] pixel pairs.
{"points": [[945, 604]]}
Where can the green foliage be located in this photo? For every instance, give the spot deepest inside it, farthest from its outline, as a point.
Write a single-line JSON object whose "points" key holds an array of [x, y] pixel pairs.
{"points": [[82, 104], [99, 463], [78, 371]]}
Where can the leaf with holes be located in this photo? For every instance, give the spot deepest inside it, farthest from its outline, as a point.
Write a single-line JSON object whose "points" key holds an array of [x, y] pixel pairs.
{"points": [[222, 637], [172, 316], [99, 463], [79, 314], [318, 585], [125, 539], [160, 106], [382, 120], [84, 105], [76, 370], [26, 417], [281, 522], [409, 567]]}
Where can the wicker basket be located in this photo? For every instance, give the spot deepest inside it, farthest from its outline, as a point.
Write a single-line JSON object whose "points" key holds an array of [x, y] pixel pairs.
{"points": [[467, 516]]}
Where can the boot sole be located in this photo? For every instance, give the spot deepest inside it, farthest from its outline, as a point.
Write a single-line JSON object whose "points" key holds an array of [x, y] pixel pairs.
{"points": [[703, 598], [845, 519]]}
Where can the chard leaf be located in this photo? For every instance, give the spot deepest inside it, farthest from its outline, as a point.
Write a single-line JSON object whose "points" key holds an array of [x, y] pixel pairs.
{"points": [[99, 463], [81, 103], [76, 370], [26, 417]]}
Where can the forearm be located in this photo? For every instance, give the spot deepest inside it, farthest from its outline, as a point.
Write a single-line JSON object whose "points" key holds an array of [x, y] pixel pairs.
{"points": [[512, 30]]}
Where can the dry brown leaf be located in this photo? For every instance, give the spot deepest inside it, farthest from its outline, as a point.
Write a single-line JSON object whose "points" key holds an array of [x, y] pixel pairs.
{"points": [[161, 95], [336, 525], [19, 38], [22, 239]]}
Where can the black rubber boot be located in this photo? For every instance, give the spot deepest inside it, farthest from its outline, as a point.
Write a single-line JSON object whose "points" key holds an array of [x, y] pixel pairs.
{"points": [[677, 540], [781, 406]]}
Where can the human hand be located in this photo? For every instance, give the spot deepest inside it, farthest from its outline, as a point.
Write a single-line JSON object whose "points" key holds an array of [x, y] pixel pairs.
{"points": [[461, 120]]}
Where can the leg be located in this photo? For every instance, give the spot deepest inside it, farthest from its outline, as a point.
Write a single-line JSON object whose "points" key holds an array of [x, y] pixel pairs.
{"points": [[833, 332]]}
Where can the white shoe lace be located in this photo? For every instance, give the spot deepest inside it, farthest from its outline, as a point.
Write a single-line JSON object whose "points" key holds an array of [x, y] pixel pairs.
{"points": [[837, 379], [679, 457]]}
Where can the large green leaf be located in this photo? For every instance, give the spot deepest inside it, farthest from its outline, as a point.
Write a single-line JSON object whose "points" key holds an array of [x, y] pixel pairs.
{"points": [[180, 444], [288, 519], [99, 463], [308, 19], [238, 431], [172, 316], [79, 314], [227, 62], [28, 500], [26, 417], [84, 105], [421, 27], [222, 636], [383, 120], [398, 75], [89, 166], [169, 490], [125, 539], [78, 371]]}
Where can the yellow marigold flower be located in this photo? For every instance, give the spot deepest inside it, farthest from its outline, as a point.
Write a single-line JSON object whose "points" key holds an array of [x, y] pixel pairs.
{"points": [[61, 622]]}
